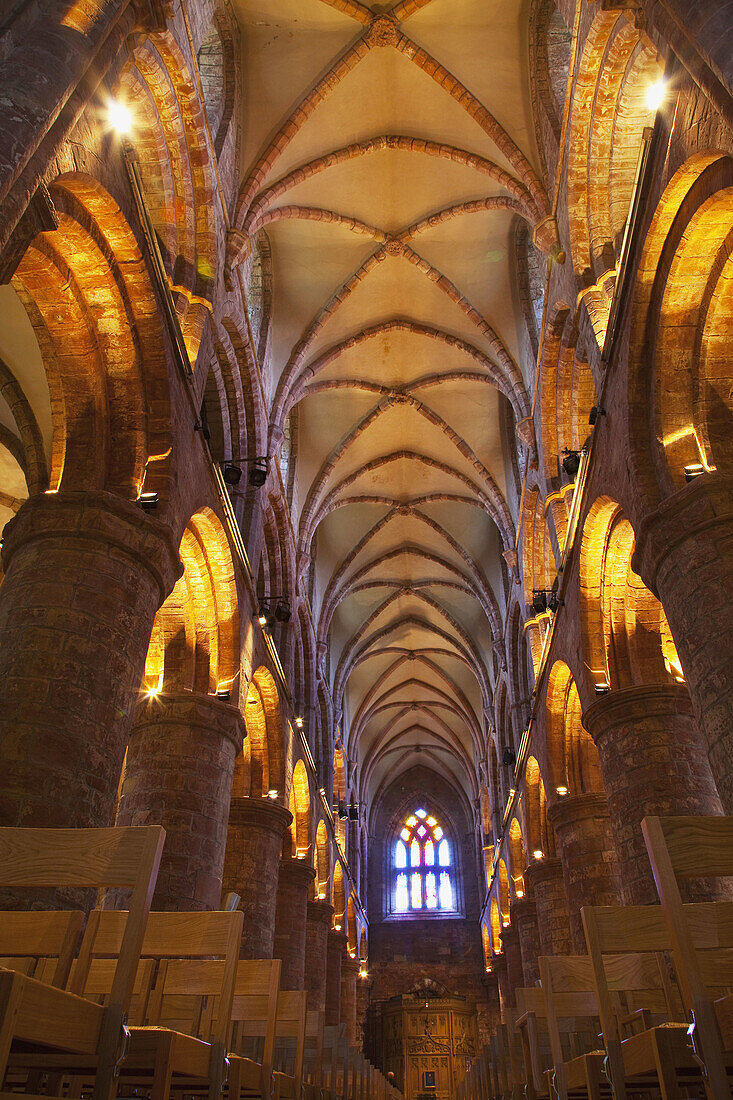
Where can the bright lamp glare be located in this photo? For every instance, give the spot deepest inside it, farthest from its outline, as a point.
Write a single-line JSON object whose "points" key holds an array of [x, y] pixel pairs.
{"points": [[119, 117], [655, 95]]}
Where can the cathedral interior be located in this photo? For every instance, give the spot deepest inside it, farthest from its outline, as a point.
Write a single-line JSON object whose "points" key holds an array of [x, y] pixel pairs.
{"points": [[366, 501]]}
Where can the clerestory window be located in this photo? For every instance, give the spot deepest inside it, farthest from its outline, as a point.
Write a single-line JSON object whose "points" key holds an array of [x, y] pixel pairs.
{"points": [[423, 866]]}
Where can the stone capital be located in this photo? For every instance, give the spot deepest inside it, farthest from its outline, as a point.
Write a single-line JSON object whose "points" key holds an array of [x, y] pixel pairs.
{"points": [[260, 813], [97, 516], [337, 941], [635, 704], [297, 872], [545, 235], [350, 966], [524, 909], [195, 711], [581, 807], [320, 911], [541, 871]]}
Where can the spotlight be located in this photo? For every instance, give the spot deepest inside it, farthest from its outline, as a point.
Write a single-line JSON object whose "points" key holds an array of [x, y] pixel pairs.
{"points": [[203, 427], [562, 791], [363, 973], [258, 471], [509, 758], [595, 412], [232, 474], [272, 794], [262, 618], [342, 811], [519, 893], [153, 693], [539, 600], [337, 927], [602, 689], [223, 693], [538, 853], [553, 602], [321, 897], [655, 95], [299, 722], [353, 811], [119, 117], [282, 611], [148, 501], [695, 469], [265, 617], [571, 461]]}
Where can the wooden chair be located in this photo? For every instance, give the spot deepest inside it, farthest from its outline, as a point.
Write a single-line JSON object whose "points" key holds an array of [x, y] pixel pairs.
{"points": [[47, 1019], [290, 1043], [640, 1006], [683, 848], [184, 1043], [570, 1001], [254, 1027], [41, 945], [531, 1023], [313, 1058], [334, 1049]]}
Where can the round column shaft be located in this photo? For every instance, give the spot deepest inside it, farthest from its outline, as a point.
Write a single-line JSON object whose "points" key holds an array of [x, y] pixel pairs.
{"points": [[291, 912], [318, 923]]}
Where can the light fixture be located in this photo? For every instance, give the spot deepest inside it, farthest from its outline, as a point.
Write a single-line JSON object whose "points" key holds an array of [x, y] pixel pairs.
{"points": [[571, 461], [272, 794], [538, 853], [363, 972], [153, 692], [562, 791], [342, 811], [232, 474], [509, 758], [595, 412], [337, 927], [203, 427], [655, 95], [539, 600], [321, 897], [120, 118], [258, 471], [602, 689], [223, 692], [353, 811], [693, 470], [519, 893], [299, 722], [148, 501]]}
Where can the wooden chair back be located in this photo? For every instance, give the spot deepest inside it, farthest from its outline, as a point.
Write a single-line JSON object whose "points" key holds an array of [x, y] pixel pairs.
{"points": [[254, 1011], [41, 944], [290, 1034], [98, 984], [126, 858], [569, 992], [313, 1058]]}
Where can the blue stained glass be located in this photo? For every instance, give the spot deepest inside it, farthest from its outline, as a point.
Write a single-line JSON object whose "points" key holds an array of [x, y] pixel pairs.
{"points": [[400, 856], [401, 899]]}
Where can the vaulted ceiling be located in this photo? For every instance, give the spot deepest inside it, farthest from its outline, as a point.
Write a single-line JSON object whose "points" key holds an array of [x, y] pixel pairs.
{"points": [[389, 153]]}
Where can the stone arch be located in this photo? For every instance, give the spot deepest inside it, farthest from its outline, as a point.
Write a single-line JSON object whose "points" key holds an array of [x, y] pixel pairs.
{"points": [[496, 944], [352, 940], [322, 885], [539, 567], [530, 265], [572, 755], [260, 770], [339, 897], [195, 637], [169, 139], [680, 335], [504, 893], [216, 64], [540, 834], [626, 634], [486, 944], [550, 44], [89, 300], [617, 67], [339, 776], [517, 857], [258, 281], [300, 807], [363, 945]]}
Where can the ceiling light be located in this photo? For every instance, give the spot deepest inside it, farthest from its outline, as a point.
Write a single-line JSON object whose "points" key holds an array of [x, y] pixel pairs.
{"points": [[120, 118], [655, 95]]}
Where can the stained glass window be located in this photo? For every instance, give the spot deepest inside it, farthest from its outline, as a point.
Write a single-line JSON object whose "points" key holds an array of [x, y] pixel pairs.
{"points": [[423, 846]]}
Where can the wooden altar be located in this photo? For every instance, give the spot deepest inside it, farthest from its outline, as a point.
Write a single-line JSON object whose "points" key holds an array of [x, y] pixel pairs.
{"points": [[428, 1044]]}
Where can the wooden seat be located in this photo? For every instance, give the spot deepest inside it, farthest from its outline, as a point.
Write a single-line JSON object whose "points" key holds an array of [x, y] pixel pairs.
{"points": [[570, 1000], [641, 1010], [43, 1017], [683, 848]]}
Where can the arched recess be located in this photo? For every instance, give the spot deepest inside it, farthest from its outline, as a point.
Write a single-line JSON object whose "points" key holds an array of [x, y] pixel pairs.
{"points": [[322, 885], [550, 43], [486, 944], [626, 633], [496, 944], [298, 836], [539, 831], [260, 770], [530, 267], [258, 282], [351, 926], [195, 637], [339, 897], [216, 63], [169, 139], [505, 899], [363, 945], [517, 857], [681, 329], [567, 391], [572, 755], [89, 300], [610, 110], [539, 568]]}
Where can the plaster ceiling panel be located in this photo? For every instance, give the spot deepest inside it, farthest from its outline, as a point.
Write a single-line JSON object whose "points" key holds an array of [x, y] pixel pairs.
{"points": [[20, 351], [409, 564], [323, 421], [396, 288], [385, 93], [391, 189], [310, 261], [388, 771], [472, 410], [400, 530], [478, 533], [495, 68]]}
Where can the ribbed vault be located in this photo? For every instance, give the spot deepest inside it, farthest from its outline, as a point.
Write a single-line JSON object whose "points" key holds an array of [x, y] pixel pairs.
{"points": [[390, 158]]}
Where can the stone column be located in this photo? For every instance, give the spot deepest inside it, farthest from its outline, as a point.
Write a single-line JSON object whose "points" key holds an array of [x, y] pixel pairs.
{"points": [[85, 574], [178, 774], [524, 917], [502, 984], [349, 978], [362, 1009], [318, 923], [584, 841], [335, 948], [653, 761], [251, 868], [513, 956], [489, 1014], [684, 554], [291, 912], [545, 879]]}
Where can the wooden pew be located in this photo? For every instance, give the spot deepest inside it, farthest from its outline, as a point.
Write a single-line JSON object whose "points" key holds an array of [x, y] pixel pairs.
{"points": [[334, 1071], [682, 848], [41, 945], [313, 1060], [640, 1007], [290, 1043], [43, 1017], [569, 992], [531, 1023], [254, 1027]]}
